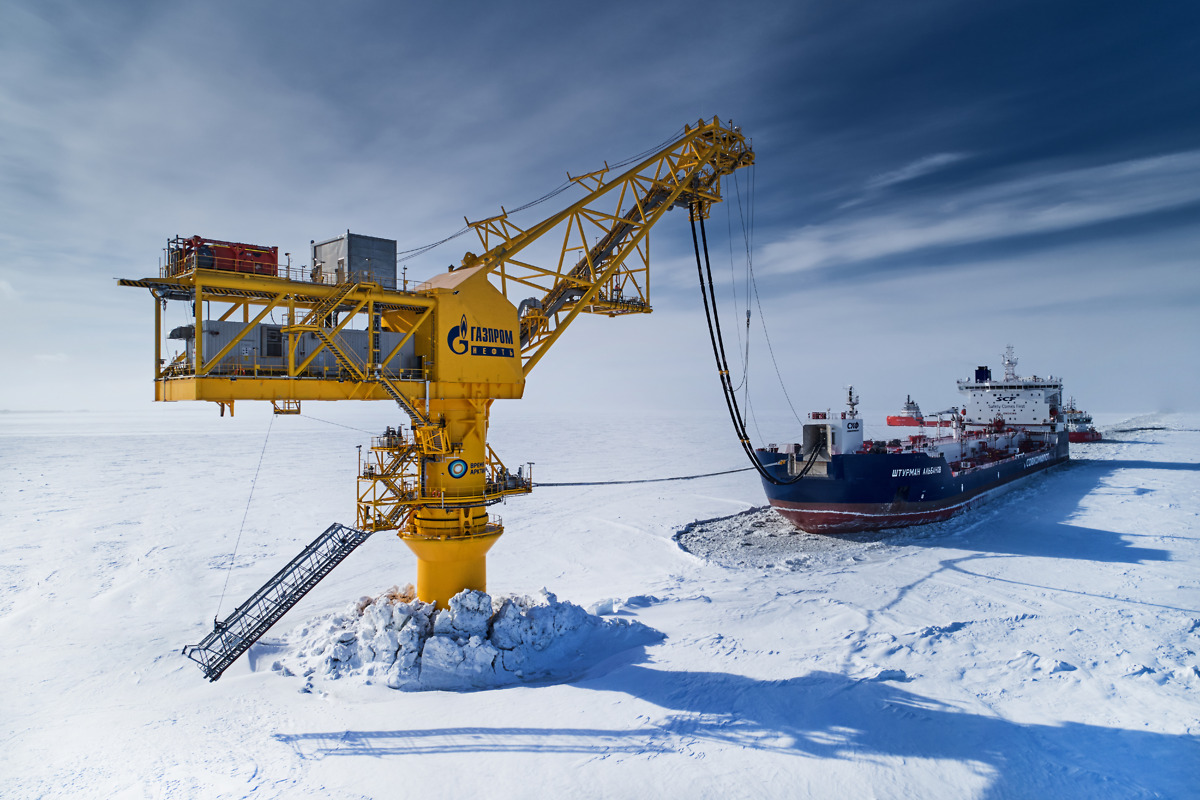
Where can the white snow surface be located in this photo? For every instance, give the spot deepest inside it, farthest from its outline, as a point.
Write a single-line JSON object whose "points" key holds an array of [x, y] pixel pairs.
{"points": [[1043, 645]]}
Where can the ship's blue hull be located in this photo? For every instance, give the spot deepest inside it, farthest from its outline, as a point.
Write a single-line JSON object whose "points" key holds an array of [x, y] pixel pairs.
{"points": [[869, 491]]}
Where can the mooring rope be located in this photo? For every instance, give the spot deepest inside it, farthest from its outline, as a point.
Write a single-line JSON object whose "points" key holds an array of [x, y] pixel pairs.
{"points": [[338, 424], [650, 480]]}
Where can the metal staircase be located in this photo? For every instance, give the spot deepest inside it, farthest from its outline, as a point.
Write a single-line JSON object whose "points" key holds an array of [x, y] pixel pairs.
{"points": [[343, 359], [326, 307], [364, 373], [402, 400], [232, 637]]}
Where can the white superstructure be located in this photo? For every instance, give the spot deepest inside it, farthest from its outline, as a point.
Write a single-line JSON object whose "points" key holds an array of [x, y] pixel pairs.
{"points": [[1025, 402]]}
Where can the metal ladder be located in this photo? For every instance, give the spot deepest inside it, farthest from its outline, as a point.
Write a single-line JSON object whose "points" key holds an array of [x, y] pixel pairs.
{"points": [[406, 405], [343, 360], [232, 637], [326, 306]]}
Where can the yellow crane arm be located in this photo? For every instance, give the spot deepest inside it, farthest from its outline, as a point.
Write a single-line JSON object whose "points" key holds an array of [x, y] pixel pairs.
{"points": [[603, 257], [444, 350]]}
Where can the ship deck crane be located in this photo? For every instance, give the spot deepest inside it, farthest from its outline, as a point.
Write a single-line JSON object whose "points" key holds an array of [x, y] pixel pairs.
{"points": [[444, 350]]}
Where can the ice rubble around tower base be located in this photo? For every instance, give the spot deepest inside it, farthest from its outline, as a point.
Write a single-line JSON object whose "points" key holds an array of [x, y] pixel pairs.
{"points": [[476, 643]]}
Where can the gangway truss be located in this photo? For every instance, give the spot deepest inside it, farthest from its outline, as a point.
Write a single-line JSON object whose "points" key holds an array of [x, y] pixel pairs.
{"points": [[253, 618]]}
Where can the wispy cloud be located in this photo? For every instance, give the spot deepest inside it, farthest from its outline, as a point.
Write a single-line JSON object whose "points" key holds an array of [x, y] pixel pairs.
{"points": [[1039, 204], [917, 169], [927, 165]]}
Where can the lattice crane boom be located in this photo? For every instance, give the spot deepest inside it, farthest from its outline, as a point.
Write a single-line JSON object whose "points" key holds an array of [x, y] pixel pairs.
{"points": [[611, 275]]}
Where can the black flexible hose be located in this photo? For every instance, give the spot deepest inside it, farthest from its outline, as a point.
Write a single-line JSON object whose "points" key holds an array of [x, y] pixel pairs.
{"points": [[718, 345], [734, 416]]}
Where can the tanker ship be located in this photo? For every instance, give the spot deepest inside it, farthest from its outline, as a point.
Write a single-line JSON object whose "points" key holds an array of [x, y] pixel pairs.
{"points": [[835, 481]]}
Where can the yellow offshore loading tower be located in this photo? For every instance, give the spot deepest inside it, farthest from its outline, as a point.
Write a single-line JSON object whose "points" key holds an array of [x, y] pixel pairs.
{"points": [[443, 349]]}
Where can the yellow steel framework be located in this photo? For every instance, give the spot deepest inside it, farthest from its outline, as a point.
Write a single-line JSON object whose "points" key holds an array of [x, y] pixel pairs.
{"points": [[470, 344]]}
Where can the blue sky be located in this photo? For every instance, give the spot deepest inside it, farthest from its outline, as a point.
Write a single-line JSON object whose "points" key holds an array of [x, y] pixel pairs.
{"points": [[934, 180]]}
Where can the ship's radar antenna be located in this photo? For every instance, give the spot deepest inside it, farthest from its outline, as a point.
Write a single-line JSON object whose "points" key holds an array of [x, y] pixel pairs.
{"points": [[1010, 364], [852, 401]]}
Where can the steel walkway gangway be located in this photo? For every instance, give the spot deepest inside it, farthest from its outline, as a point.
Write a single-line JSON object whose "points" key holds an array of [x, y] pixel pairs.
{"points": [[246, 625]]}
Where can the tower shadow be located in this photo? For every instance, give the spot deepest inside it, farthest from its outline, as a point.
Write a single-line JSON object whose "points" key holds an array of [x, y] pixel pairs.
{"points": [[826, 716]]}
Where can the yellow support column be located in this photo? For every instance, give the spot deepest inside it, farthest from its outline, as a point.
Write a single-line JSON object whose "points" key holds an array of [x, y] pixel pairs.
{"points": [[157, 341], [450, 534], [198, 333], [447, 566]]}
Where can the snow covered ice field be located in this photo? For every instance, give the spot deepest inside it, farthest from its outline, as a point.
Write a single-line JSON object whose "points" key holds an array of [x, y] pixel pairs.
{"points": [[1046, 645]]}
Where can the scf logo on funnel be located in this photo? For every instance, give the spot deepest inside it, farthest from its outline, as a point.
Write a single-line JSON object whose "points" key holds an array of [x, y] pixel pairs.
{"points": [[479, 340]]}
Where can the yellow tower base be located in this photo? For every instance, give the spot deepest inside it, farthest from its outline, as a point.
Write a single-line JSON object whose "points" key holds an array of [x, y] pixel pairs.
{"points": [[447, 566]]}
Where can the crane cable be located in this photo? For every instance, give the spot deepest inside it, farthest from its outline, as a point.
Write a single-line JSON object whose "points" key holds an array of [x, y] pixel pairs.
{"points": [[733, 287], [238, 541], [752, 286], [718, 345]]}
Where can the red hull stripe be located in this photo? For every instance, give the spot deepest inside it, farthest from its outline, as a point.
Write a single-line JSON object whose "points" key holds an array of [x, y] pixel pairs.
{"points": [[815, 519]]}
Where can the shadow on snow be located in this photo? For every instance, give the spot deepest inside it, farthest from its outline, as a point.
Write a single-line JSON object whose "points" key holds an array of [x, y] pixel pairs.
{"points": [[1036, 520], [821, 715]]}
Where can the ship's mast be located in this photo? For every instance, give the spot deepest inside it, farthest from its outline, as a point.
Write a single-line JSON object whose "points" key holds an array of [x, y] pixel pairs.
{"points": [[852, 401], [1010, 364]]}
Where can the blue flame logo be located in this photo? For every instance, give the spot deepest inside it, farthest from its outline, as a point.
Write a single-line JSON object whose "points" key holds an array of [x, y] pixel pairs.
{"points": [[457, 340]]}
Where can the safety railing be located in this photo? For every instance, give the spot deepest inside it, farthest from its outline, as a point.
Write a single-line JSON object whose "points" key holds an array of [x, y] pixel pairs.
{"points": [[175, 266], [238, 366]]}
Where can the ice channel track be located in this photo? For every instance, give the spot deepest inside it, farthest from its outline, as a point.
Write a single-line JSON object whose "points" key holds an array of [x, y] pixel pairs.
{"points": [[761, 539]]}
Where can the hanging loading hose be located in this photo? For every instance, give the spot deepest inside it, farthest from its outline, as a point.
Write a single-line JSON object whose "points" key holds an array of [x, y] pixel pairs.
{"points": [[718, 345]]}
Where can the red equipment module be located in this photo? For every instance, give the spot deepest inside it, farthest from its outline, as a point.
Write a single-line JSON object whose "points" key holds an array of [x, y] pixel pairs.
{"points": [[184, 255]]}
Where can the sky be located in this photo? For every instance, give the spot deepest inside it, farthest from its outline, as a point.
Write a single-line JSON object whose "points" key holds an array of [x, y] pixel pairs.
{"points": [[933, 181]]}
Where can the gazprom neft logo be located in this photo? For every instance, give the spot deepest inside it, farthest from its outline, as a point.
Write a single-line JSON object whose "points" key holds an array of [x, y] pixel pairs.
{"points": [[457, 340], [480, 340], [491, 341]]}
